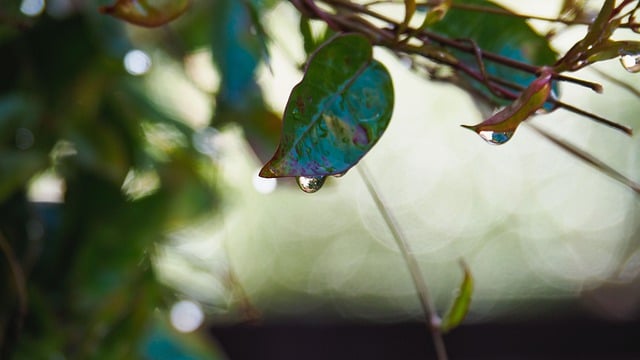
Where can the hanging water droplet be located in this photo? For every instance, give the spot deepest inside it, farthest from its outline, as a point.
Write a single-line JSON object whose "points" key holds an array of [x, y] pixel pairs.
{"points": [[339, 175], [630, 62], [496, 137], [310, 184]]}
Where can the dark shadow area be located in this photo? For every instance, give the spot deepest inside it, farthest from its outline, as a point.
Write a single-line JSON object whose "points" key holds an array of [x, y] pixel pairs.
{"points": [[570, 339]]}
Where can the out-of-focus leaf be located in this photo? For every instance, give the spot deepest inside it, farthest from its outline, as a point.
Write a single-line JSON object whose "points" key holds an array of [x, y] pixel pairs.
{"points": [[261, 33], [409, 11], [236, 51], [148, 13], [460, 306], [504, 35], [500, 127], [595, 42], [436, 13], [572, 9], [336, 114], [17, 168]]}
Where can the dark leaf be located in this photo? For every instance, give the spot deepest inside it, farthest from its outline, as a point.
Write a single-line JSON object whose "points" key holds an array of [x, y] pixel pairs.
{"points": [[336, 114], [500, 34]]}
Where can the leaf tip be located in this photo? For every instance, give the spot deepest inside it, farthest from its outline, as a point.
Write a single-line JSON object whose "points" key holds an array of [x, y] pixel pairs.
{"points": [[460, 306], [266, 171]]}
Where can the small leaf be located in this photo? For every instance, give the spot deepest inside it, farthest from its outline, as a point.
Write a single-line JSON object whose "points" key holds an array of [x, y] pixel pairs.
{"points": [[409, 11], [500, 127], [336, 114], [460, 306], [148, 13], [436, 14], [596, 44]]}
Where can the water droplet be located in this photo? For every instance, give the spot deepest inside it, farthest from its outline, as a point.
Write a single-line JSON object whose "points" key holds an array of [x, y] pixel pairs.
{"points": [[630, 62], [310, 184], [339, 175], [496, 137]]}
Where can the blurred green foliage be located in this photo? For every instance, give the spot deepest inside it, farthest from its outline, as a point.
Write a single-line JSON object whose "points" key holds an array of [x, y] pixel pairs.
{"points": [[75, 277]]}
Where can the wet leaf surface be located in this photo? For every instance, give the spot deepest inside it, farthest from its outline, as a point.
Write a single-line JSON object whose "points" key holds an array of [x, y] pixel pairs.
{"points": [[500, 127], [336, 114]]}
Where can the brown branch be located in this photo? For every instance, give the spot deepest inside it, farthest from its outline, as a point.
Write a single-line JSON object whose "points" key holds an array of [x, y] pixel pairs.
{"points": [[462, 45]]}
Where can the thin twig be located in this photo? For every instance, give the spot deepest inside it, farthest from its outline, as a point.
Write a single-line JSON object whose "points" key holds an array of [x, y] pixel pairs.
{"points": [[431, 317], [589, 159], [630, 88]]}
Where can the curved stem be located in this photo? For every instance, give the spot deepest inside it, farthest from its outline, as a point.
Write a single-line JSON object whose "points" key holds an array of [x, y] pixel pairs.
{"points": [[18, 275], [431, 317]]}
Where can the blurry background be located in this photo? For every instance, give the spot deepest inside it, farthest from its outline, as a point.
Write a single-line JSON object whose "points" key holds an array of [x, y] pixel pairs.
{"points": [[140, 150]]}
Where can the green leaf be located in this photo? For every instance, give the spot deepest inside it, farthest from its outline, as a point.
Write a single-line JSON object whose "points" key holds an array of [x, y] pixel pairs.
{"points": [[460, 306], [504, 35], [148, 13], [312, 41], [336, 114], [587, 50], [409, 11], [436, 13], [500, 127]]}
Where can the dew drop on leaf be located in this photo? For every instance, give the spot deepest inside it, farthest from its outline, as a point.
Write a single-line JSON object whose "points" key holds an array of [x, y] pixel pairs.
{"points": [[496, 137], [310, 184], [630, 62]]}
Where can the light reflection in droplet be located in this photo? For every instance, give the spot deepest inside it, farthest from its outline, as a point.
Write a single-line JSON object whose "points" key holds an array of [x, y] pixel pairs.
{"points": [[32, 8], [137, 62], [310, 184], [186, 316], [630, 62], [496, 137], [264, 185]]}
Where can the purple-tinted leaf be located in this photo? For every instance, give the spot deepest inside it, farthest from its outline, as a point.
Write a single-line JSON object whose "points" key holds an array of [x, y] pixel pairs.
{"points": [[500, 127], [336, 114]]}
